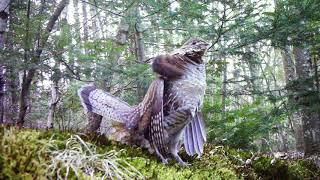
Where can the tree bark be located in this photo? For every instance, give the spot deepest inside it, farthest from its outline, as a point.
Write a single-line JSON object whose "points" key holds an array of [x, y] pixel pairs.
{"points": [[28, 77], [290, 76], [305, 89], [93, 15], [94, 121], [4, 14], [85, 22], [224, 89], [53, 103], [2, 84], [140, 52]]}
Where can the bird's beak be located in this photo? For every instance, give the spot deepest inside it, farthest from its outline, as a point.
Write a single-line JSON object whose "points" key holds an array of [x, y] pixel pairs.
{"points": [[205, 46]]}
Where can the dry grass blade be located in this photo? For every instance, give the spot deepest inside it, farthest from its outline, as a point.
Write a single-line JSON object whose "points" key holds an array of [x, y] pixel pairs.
{"points": [[80, 159]]}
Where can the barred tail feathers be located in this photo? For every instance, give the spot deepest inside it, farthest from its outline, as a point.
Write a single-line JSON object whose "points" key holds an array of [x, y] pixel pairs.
{"points": [[102, 103]]}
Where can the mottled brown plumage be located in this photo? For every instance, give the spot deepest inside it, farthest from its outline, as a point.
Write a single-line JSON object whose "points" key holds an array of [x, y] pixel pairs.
{"points": [[170, 110]]}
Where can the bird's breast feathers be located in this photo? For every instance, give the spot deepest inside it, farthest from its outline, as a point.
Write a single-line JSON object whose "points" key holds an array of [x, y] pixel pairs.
{"points": [[184, 98], [190, 88]]}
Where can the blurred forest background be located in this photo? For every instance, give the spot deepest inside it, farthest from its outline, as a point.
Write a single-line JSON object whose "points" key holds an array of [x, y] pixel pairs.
{"points": [[262, 69]]}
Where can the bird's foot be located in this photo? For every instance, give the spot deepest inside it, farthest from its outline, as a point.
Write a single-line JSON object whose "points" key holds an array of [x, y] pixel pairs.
{"points": [[180, 161], [164, 161], [184, 164]]}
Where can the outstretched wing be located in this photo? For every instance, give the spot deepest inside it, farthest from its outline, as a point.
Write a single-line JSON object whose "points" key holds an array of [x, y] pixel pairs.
{"points": [[104, 104], [169, 66], [195, 135]]}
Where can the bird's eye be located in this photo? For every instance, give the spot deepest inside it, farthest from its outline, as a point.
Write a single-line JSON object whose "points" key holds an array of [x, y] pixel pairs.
{"points": [[193, 43]]}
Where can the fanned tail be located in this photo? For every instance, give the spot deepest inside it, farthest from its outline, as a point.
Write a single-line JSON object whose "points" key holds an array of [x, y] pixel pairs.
{"points": [[195, 136], [104, 104]]}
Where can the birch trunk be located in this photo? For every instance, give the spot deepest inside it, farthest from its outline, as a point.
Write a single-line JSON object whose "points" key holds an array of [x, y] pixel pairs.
{"points": [[53, 104]]}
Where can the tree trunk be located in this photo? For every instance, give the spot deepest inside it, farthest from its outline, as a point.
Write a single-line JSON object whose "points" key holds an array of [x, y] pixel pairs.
{"points": [[224, 89], [290, 75], [13, 96], [94, 121], [93, 15], [305, 89], [28, 76], [77, 35], [4, 14], [11, 107], [85, 22], [53, 103], [2, 83], [140, 52]]}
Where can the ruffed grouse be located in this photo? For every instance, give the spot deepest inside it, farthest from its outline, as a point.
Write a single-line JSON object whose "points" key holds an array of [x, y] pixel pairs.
{"points": [[170, 110]]}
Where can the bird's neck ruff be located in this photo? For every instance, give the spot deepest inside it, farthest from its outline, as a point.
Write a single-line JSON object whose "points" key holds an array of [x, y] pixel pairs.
{"points": [[192, 56]]}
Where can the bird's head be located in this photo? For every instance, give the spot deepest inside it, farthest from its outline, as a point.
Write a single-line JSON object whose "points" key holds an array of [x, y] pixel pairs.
{"points": [[194, 48]]}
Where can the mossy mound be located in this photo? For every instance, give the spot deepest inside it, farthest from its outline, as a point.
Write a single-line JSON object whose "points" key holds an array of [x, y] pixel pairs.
{"points": [[24, 155]]}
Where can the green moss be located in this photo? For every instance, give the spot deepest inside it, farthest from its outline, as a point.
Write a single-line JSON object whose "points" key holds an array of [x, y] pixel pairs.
{"points": [[281, 169], [268, 170], [303, 169], [23, 156]]}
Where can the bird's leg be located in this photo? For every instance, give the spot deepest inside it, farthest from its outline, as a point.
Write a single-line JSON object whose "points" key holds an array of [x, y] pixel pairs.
{"points": [[174, 151], [163, 160]]}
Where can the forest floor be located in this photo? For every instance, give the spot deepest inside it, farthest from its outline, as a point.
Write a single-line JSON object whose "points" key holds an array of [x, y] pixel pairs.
{"points": [[34, 154]]}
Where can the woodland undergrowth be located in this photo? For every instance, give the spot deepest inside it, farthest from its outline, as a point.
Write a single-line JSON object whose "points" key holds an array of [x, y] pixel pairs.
{"points": [[33, 154]]}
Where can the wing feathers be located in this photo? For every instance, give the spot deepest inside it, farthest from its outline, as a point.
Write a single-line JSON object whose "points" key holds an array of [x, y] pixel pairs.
{"points": [[186, 137], [195, 136], [199, 133], [201, 126], [169, 66], [156, 125]]}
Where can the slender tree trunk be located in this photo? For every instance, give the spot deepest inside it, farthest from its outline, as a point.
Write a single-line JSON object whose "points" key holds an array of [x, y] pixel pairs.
{"points": [[85, 22], [2, 84], [77, 36], [94, 14], [224, 89], [28, 76], [4, 14], [140, 52], [53, 103]]}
